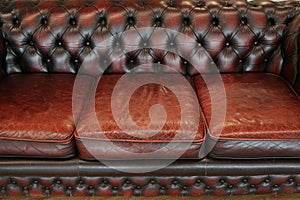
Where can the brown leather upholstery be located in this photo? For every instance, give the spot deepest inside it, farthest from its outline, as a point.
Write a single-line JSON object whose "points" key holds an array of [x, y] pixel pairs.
{"points": [[262, 117], [56, 36], [147, 139], [80, 178], [291, 51], [36, 115]]}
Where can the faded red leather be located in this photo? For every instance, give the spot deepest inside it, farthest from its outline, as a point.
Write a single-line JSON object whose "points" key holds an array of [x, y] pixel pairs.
{"points": [[36, 115], [139, 105], [261, 108]]}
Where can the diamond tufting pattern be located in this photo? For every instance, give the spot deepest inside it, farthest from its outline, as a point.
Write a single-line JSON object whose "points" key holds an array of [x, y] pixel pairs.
{"points": [[56, 36]]}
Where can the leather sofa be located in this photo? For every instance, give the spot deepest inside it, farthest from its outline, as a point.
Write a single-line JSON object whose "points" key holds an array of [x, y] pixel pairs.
{"points": [[51, 145]]}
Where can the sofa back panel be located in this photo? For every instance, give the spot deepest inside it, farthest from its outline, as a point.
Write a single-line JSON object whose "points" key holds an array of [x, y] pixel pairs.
{"points": [[56, 36]]}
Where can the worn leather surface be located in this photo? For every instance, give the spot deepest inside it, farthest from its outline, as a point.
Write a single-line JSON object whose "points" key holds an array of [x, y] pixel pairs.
{"points": [[80, 178], [182, 121], [291, 51], [262, 116], [36, 115], [56, 36], [148, 186]]}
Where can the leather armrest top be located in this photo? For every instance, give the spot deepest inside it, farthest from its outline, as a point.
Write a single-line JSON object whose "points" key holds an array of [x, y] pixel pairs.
{"points": [[2, 58], [291, 65]]}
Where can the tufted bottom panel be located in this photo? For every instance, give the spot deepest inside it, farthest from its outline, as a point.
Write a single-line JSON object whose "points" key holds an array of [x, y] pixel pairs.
{"points": [[75, 177], [148, 185]]}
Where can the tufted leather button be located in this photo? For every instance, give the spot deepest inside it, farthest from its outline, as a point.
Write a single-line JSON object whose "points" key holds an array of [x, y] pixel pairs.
{"points": [[245, 180], [72, 21], [227, 44], [16, 20], [127, 181], [35, 181], [102, 20], [222, 181], [58, 182], [252, 186], [266, 60], [207, 187], [171, 3], [80, 182], [152, 181], [175, 182], [271, 21], [115, 187], [13, 182], [44, 21], [31, 43], [199, 4], [184, 188], [105, 181], [87, 43], [138, 187], [256, 43], [186, 21], [162, 187], [48, 60], [198, 181], [215, 21], [241, 61], [3, 188], [76, 61], [275, 186], [157, 21], [291, 180], [230, 186], [131, 20], [185, 62], [59, 43], [244, 20], [227, 4], [90, 187]]}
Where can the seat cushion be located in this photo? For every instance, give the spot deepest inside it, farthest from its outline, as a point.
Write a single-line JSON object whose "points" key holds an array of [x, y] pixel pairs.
{"points": [[36, 115], [262, 117], [100, 135]]}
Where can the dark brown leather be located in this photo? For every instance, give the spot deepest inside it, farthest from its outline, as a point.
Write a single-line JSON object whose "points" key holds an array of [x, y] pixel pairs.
{"points": [[142, 99], [190, 177], [2, 58], [56, 36], [262, 117], [36, 115], [291, 51]]}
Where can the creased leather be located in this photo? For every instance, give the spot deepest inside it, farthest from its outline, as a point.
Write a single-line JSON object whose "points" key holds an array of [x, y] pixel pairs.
{"points": [[139, 105], [261, 108], [57, 36], [36, 115]]}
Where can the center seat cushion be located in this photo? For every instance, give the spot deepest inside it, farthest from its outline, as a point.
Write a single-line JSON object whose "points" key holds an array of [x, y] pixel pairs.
{"points": [[104, 138], [262, 117], [36, 117]]}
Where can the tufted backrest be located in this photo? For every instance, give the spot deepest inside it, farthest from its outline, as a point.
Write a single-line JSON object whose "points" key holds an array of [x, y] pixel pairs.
{"points": [[56, 35]]}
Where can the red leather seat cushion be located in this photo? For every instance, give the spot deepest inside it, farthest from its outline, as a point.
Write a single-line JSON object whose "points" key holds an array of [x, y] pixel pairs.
{"points": [[89, 135], [262, 119], [36, 115]]}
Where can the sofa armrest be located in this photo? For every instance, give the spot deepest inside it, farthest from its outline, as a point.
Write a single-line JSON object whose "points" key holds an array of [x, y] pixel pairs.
{"points": [[291, 51], [2, 58]]}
